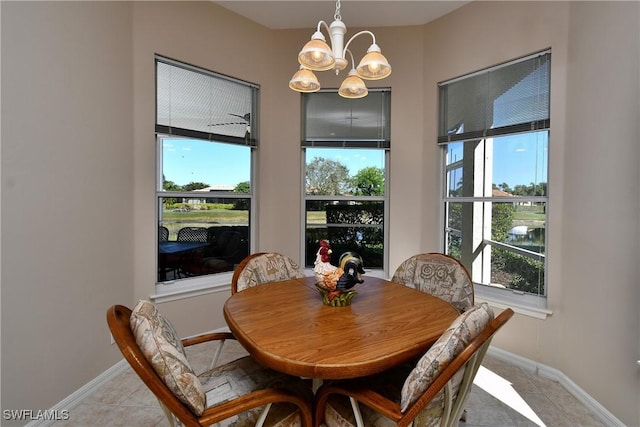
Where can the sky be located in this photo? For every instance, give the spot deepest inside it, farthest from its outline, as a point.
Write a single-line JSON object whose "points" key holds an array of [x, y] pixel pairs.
{"points": [[523, 159], [188, 160], [518, 159]]}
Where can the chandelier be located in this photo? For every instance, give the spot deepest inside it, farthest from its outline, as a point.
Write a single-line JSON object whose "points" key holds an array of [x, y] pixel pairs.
{"points": [[316, 55]]}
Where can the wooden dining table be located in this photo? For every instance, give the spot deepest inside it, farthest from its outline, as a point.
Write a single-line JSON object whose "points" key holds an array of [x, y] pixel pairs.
{"points": [[285, 326]]}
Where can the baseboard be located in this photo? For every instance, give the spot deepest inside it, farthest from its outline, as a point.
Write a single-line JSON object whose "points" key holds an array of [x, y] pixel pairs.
{"points": [[83, 392], [545, 371]]}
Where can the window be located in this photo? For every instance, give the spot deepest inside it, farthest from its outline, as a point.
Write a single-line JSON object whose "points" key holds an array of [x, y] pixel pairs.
{"points": [[494, 133], [205, 131], [346, 144]]}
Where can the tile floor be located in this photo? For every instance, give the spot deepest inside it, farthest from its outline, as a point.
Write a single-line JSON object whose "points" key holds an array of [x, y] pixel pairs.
{"points": [[125, 400]]}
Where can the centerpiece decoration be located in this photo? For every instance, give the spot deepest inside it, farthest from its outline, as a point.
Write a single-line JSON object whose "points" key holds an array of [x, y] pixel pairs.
{"points": [[336, 284]]}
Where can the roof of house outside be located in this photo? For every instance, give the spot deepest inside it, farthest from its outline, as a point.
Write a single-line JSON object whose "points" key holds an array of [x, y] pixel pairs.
{"points": [[219, 187]]}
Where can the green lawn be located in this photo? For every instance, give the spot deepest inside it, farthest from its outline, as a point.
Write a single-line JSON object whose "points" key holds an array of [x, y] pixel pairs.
{"points": [[317, 217], [528, 216], [226, 215], [211, 216], [531, 216]]}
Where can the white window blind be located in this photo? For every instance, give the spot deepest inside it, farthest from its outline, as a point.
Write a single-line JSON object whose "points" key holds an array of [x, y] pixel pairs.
{"points": [[501, 100], [196, 103], [332, 121]]}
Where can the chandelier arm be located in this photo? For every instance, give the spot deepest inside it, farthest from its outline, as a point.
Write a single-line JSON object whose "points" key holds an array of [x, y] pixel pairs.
{"points": [[353, 64], [326, 27], [356, 35]]}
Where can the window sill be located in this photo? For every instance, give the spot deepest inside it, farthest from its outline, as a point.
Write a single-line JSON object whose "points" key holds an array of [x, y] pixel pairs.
{"points": [[189, 288], [525, 304]]}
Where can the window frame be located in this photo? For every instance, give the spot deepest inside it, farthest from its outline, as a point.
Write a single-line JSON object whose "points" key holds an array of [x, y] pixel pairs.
{"points": [[381, 143], [524, 303], [204, 284]]}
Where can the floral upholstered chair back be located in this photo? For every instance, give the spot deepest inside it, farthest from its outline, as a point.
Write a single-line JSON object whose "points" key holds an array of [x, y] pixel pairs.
{"points": [[446, 406], [264, 267], [439, 275]]}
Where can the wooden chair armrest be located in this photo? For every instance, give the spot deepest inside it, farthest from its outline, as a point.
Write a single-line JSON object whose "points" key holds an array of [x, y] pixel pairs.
{"points": [[212, 336], [256, 399], [366, 396]]}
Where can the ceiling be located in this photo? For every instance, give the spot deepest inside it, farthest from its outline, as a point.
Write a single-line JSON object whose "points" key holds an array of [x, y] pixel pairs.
{"points": [[355, 13]]}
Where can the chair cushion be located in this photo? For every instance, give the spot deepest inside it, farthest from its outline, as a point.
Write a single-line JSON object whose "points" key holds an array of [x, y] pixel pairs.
{"points": [[245, 375], [461, 332], [437, 275], [162, 347], [268, 267]]}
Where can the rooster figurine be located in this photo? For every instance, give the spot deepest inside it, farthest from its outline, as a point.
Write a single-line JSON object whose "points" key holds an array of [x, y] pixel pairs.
{"points": [[352, 271], [337, 280], [322, 264], [327, 275]]}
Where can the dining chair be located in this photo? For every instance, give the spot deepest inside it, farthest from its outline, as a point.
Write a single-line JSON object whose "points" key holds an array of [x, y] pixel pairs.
{"points": [[163, 234], [229, 249], [264, 267], [192, 234], [241, 392], [190, 261], [168, 264], [430, 393], [439, 275]]}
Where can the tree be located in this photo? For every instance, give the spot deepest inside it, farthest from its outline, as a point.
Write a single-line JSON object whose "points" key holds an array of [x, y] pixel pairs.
{"points": [[504, 187], [169, 185], [501, 220], [244, 188], [539, 189], [194, 186], [327, 177], [369, 181]]}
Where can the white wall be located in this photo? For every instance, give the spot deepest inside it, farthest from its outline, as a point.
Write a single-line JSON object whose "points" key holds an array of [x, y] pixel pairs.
{"points": [[68, 69], [602, 214], [67, 169], [593, 335]]}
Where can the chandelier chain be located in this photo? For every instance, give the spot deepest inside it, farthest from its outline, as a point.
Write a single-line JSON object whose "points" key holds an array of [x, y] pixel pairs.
{"points": [[337, 15]]}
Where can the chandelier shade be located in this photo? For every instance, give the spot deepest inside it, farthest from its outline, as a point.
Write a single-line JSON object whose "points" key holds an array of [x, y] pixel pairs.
{"points": [[353, 86], [317, 55], [374, 66], [304, 81]]}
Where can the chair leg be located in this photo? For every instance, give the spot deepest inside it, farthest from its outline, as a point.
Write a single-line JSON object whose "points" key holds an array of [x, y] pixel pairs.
{"points": [[263, 416], [170, 417], [356, 412], [214, 361]]}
